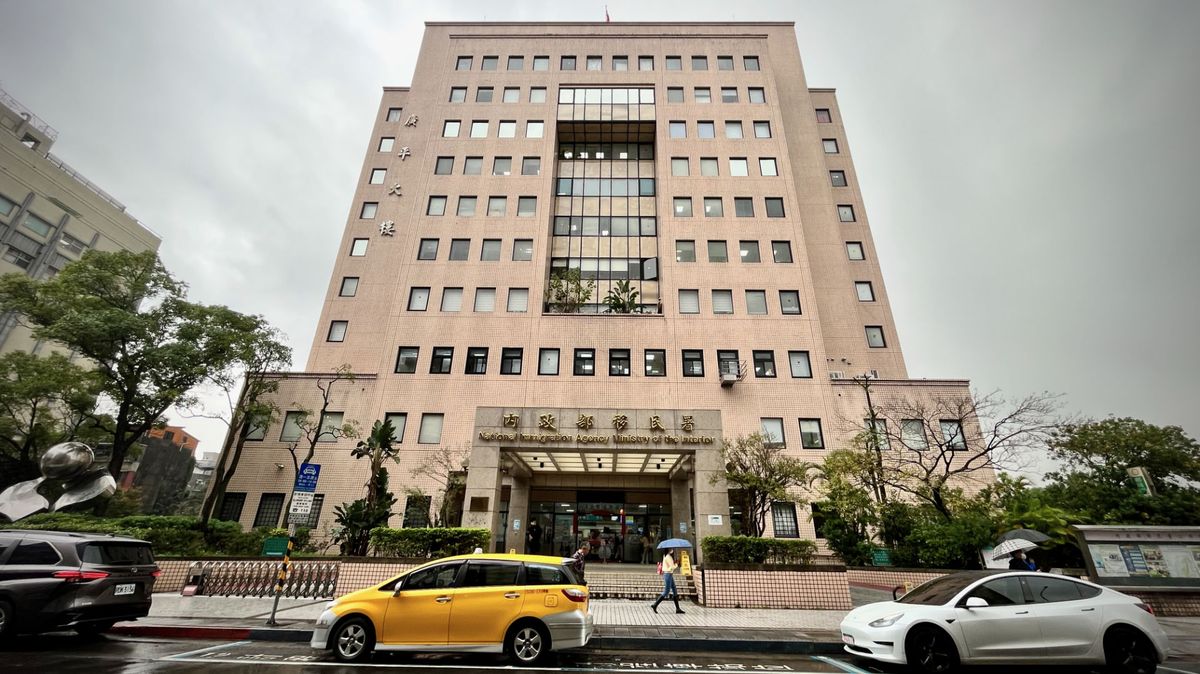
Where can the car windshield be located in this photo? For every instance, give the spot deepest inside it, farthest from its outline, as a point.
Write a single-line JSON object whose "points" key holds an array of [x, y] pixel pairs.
{"points": [[938, 590]]}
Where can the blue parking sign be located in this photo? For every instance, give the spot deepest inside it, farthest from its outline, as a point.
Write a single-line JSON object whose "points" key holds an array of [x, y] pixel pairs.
{"points": [[306, 479]]}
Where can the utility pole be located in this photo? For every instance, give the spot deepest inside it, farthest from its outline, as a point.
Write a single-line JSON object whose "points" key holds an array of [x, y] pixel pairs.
{"points": [[880, 492]]}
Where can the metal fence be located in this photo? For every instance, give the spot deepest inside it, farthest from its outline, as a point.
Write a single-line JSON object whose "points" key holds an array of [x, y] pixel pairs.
{"points": [[255, 578]]}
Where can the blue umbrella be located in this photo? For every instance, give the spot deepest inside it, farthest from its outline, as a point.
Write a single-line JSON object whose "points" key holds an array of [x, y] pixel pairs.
{"points": [[674, 543]]}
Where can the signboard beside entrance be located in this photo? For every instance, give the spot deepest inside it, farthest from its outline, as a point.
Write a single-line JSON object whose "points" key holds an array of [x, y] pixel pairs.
{"points": [[1135, 557]]}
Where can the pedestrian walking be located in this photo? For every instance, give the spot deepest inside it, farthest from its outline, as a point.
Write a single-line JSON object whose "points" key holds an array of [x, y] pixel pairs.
{"points": [[1019, 562], [667, 569], [580, 559], [647, 549]]}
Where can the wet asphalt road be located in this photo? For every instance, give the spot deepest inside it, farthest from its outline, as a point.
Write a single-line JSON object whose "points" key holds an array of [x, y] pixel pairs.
{"points": [[68, 653]]}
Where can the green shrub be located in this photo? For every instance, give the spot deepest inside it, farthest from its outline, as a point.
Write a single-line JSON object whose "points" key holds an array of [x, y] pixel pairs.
{"points": [[752, 550], [427, 543]]}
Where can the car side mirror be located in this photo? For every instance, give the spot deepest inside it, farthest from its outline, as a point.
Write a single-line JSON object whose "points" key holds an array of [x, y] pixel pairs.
{"points": [[897, 592], [975, 602]]}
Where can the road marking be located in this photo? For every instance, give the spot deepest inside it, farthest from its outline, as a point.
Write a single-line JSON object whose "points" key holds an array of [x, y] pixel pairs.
{"points": [[427, 665], [844, 666], [231, 644], [1171, 669]]}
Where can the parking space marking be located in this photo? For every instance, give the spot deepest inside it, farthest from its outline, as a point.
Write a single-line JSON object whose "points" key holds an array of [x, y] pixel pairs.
{"points": [[281, 660], [844, 666], [200, 651]]}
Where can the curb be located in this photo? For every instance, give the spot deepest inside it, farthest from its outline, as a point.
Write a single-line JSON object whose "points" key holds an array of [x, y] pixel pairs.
{"points": [[228, 633]]}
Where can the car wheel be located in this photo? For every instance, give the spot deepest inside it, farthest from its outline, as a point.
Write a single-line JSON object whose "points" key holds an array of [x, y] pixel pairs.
{"points": [[528, 643], [353, 640], [8, 621], [93, 629], [930, 650], [1128, 651]]}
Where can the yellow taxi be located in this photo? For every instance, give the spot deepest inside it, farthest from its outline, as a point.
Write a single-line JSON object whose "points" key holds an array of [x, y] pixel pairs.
{"points": [[522, 605]]}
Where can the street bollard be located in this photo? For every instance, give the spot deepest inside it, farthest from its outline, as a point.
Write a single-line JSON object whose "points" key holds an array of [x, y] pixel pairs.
{"points": [[283, 572]]}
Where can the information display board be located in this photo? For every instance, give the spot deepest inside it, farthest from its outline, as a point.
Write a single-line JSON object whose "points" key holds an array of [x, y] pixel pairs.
{"points": [[1131, 556]]}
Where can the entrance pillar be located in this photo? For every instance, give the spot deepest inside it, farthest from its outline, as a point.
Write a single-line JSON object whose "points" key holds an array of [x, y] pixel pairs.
{"points": [[681, 508], [712, 496], [518, 514], [481, 502]]}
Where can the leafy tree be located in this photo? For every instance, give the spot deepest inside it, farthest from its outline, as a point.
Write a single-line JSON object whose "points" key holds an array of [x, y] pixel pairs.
{"points": [[356, 519], [315, 427], [377, 447], [764, 474], [622, 298], [128, 315], [43, 401], [568, 292], [1094, 482], [849, 513]]}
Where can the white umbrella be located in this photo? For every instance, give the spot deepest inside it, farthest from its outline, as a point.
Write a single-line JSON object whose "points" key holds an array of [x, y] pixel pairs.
{"points": [[1010, 546]]}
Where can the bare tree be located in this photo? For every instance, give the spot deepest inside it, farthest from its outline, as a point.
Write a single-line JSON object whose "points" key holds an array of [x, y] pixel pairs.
{"points": [[443, 466], [924, 447], [314, 427]]}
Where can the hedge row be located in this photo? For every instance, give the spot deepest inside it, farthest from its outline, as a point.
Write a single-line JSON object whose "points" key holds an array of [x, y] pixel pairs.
{"points": [[171, 535], [427, 543], [751, 550]]}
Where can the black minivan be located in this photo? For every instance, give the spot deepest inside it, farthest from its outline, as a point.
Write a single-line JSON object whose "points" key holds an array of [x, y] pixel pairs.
{"points": [[87, 582]]}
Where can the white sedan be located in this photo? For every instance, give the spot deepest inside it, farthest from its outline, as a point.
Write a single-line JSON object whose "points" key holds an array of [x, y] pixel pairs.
{"points": [[989, 617]]}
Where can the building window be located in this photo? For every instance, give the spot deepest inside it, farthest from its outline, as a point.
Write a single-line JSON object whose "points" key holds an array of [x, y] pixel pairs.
{"points": [[399, 421], [783, 520], [864, 290], [431, 429], [393, 114], [674, 94], [537, 95], [618, 362], [706, 129], [689, 301], [516, 62], [952, 434], [451, 128], [418, 299], [693, 363], [830, 145], [702, 95], [774, 207], [541, 63], [685, 251], [460, 250], [837, 178], [270, 507], [548, 361], [768, 167], [750, 62], [912, 434], [845, 213], [452, 300], [526, 207], [531, 166], [762, 129], [479, 128], [444, 166], [459, 94], [231, 506], [406, 359], [369, 209], [724, 63], [427, 250], [349, 286], [772, 432], [674, 62], [810, 434], [331, 425], [764, 366], [880, 435], [441, 360], [518, 300], [713, 207], [757, 94], [781, 251], [875, 337], [799, 364], [683, 207], [595, 63], [739, 167], [477, 357], [485, 300], [728, 363], [510, 360], [645, 63], [507, 129], [490, 63], [497, 206], [789, 301], [385, 145], [656, 363], [437, 206], [722, 301], [854, 250], [566, 63], [337, 331], [823, 116], [291, 427], [679, 166], [490, 251], [463, 63], [743, 207], [535, 129], [522, 250], [466, 207], [699, 63], [709, 167], [502, 166], [473, 166], [748, 251], [756, 302], [718, 251], [585, 362], [729, 95]]}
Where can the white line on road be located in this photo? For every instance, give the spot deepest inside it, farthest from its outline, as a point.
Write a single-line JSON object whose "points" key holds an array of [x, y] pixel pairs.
{"points": [[426, 665], [1171, 669], [844, 666], [231, 644]]}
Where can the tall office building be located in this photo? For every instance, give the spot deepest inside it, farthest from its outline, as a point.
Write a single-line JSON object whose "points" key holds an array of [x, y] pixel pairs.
{"points": [[49, 212], [512, 201]]}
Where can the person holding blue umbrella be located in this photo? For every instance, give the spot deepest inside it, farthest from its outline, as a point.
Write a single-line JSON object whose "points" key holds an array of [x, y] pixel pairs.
{"points": [[667, 569]]}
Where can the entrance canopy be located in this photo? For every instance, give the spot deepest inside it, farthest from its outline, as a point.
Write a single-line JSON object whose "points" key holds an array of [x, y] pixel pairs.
{"points": [[593, 461]]}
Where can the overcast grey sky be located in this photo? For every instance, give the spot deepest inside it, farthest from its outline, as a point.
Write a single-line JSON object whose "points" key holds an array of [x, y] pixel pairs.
{"points": [[1031, 169]]}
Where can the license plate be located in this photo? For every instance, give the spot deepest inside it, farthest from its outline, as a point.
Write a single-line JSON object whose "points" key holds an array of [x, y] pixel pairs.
{"points": [[846, 638], [126, 588]]}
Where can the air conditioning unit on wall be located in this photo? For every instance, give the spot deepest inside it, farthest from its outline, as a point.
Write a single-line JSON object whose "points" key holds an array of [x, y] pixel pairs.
{"points": [[836, 374]]}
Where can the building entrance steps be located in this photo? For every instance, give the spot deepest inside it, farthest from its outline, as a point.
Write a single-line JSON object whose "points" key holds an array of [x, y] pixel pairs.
{"points": [[632, 581]]}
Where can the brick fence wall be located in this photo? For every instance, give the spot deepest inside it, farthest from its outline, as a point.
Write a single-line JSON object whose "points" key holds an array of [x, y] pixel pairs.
{"points": [[889, 578], [781, 587]]}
